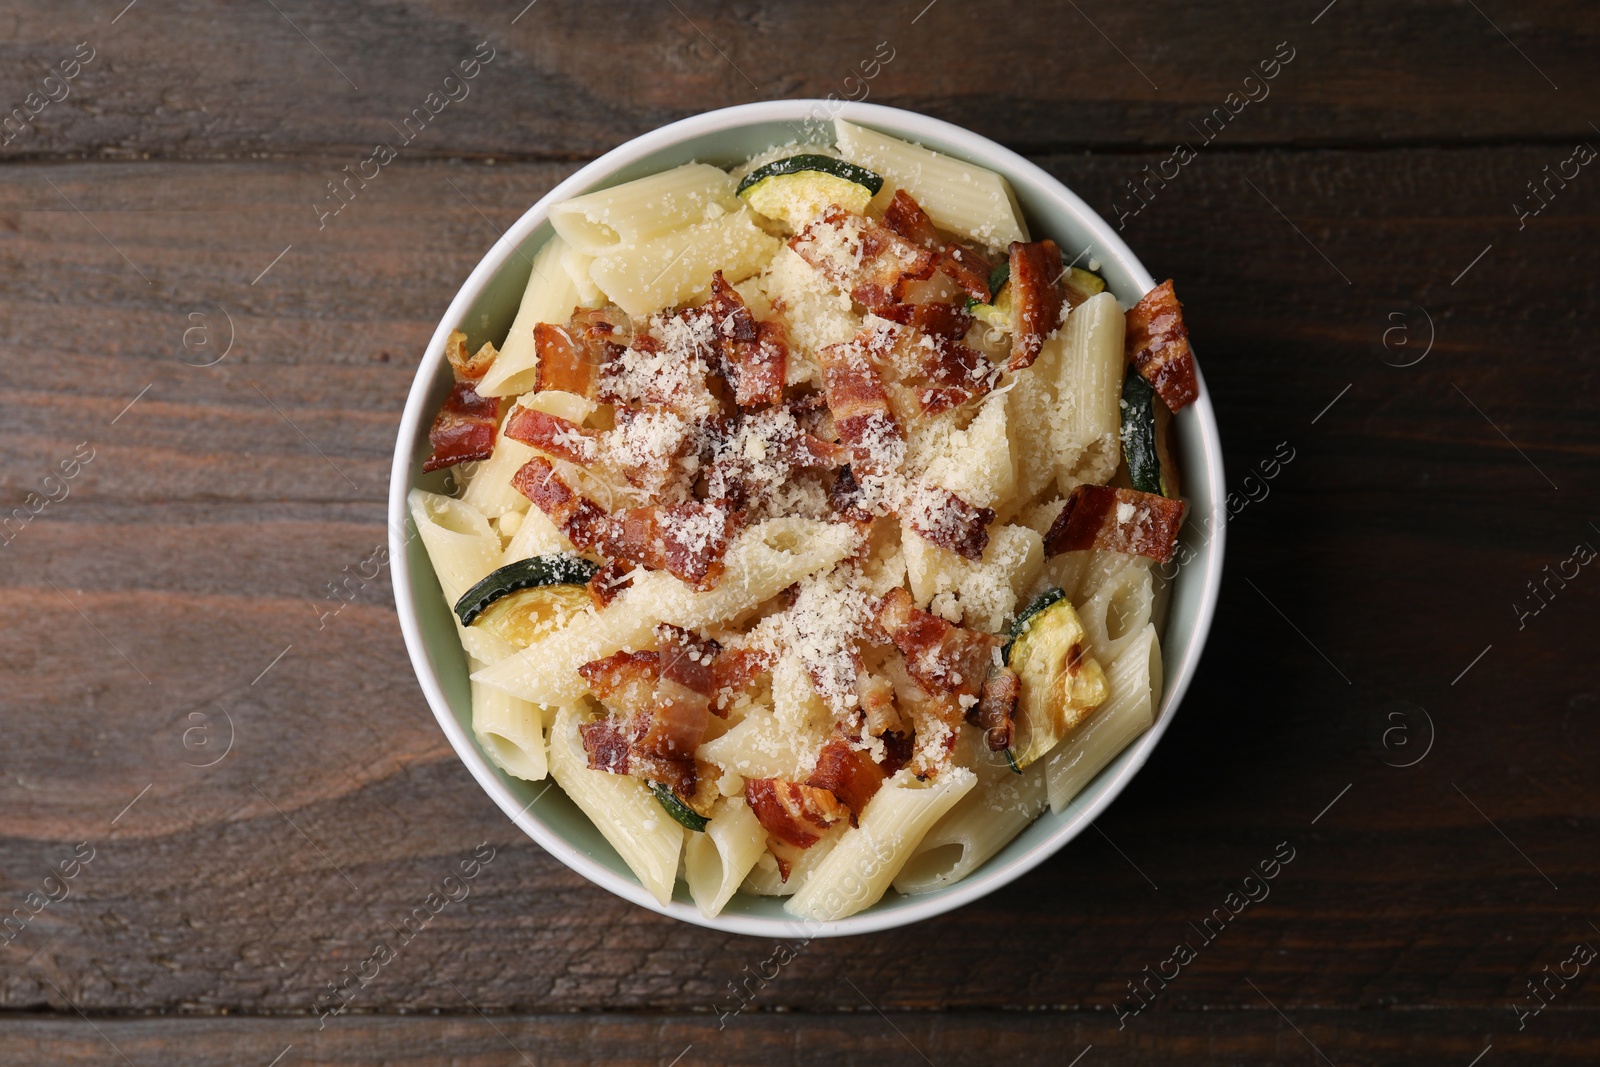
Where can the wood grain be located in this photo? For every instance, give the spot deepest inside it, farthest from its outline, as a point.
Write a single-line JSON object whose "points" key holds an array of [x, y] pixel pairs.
{"points": [[190, 80], [199, 539], [179, 594], [1255, 1038]]}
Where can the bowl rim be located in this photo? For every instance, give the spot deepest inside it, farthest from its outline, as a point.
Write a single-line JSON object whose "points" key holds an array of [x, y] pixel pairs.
{"points": [[416, 418]]}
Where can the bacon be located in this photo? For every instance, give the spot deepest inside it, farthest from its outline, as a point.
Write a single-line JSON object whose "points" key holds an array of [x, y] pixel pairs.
{"points": [[1158, 346], [946, 520], [606, 745], [582, 520], [860, 406], [554, 435], [848, 774], [688, 659], [660, 725], [898, 748], [945, 659], [969, 270], [995, 712], [755, 354], [564, 361], [686, 540], [464, 429], [955, 372], [965, 267], [608, 582], [862, 257], [1035, 297], [734, 670], [468, 368], [847, 499], [1116, 520], [793, 813]]}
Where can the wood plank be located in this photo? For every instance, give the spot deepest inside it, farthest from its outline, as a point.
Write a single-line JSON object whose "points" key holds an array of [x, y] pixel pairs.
{"points": [[199, 540], [296, 81], [1239, 1038]]}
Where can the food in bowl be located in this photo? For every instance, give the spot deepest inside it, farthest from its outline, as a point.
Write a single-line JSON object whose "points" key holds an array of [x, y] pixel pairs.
{"points": [[806, 520]]}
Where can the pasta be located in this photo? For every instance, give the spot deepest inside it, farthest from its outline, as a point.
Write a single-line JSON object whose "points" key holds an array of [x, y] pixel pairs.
{"points": [[807, 524]]}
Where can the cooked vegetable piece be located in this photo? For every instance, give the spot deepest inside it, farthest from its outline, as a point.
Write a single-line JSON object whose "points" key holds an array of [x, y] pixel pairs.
{"points": [[1116, 520], [550, 573], [797, 189], [681, 812], [1060, 685], [1020, 626], [1082, 284], [1139, 435], [1158, 345]]}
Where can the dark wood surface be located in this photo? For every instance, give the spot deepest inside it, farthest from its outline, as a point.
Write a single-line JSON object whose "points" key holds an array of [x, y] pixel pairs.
{"points": [[1368, 617]]}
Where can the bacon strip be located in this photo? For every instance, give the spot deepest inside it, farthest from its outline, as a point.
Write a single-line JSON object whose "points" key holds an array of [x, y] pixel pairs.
{"points": [[848, 774], [955, 372], [582, 520], [1158, 346], [965, 267], [468, 368], [564, 361], [943, 658], [657, 725], [688, 541], [754, 354], [606, 745], [464, 429], [862, 257], [860, 406], [793, 813], [995, 712], [1036, 298], [554, 435], [734, 670], [608, 582], [941, 517], [1116, 520]]}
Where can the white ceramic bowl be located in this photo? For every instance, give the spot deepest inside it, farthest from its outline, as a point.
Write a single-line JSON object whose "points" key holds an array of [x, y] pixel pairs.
{"points": [[486, 305]]}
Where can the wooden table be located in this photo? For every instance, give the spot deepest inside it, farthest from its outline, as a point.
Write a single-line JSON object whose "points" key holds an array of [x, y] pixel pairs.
{"points": [[1382, 690]]}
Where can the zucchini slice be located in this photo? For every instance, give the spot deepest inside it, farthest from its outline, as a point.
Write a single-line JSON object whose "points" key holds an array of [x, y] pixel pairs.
{"points": [[522, 600], [1082, 284], [1139, 435], [796, 189], [1060, 685], [1025, 619], [674, 806]]}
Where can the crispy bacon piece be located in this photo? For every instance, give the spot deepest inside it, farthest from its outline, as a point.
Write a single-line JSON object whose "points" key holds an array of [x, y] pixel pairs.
{"points": [[686, 540], [1035, 297], [1158, 346], [609, 581], [793, 813], [733, 671], [862, 257], [995, 712], [564, 361], [860, 406], [606, 745], [965, 267], [848, 774], [946, 520], [898, 748], [464, 428], [1116, 520], [847, 499], [755, 355], [553, 435], [468, 368], [582, 520], [945, 659]]}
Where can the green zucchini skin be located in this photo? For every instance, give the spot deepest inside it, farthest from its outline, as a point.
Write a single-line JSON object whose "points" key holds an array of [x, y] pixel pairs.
{"points": [[998, 278], [1139, 435], [825, 164], [523, 574], [1025, 618], [680, 812]]}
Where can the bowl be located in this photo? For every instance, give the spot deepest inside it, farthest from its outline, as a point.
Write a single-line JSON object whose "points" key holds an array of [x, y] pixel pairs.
{"points": [[484, 308]]}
